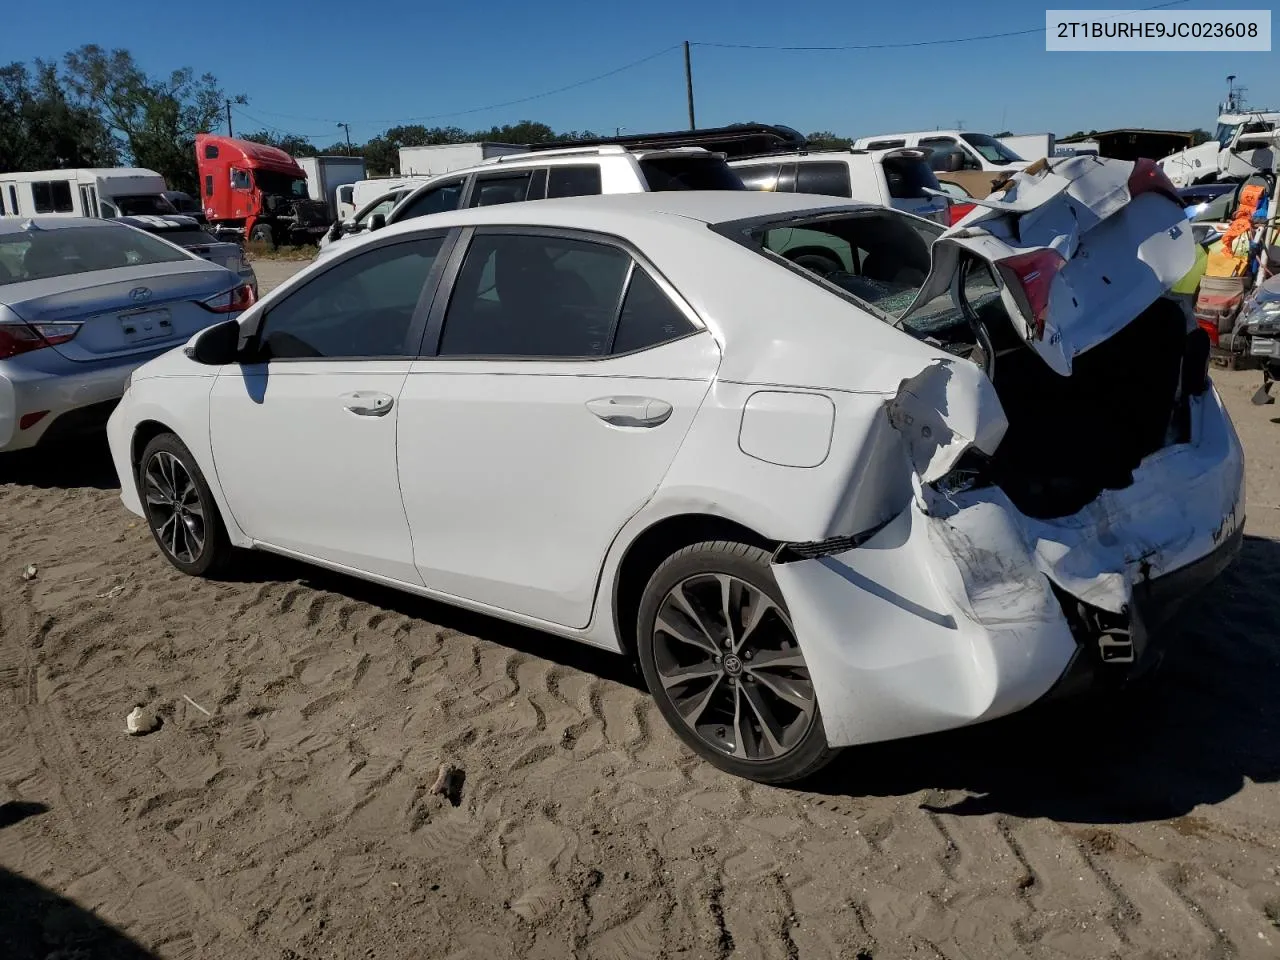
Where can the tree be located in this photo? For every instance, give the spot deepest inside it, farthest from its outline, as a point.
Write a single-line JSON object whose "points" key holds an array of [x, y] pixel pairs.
{"points": [[290, 143], [526, 131], [1199, 136], [1003, 133], [155, 120], [40, 129], [826, 140]]}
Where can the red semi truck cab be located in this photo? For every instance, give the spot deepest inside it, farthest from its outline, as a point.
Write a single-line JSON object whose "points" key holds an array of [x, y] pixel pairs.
{"points": [[257, 192]]}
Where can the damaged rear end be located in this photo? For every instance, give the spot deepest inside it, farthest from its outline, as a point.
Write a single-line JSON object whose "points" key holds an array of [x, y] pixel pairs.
{"points": [[1075, 475]]}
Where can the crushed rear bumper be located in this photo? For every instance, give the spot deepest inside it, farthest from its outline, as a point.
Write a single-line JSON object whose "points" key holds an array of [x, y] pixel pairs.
{"points": [[963, 609]]}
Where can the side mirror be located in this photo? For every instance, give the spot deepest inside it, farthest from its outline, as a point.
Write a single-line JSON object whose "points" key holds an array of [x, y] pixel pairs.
{"points": [[216, 346], [377, 221]]}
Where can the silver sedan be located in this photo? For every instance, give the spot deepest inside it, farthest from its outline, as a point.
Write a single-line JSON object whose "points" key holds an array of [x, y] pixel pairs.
{"points": [[82, 304]]}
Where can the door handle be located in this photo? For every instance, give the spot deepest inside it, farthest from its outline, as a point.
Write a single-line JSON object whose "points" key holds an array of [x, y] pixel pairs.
{"points": [[368, 403], [630, 411]]}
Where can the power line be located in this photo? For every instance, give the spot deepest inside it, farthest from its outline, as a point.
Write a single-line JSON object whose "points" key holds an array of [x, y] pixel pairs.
{"points": [[506, 103], [909, 43], [263, 125], [677, 46]]}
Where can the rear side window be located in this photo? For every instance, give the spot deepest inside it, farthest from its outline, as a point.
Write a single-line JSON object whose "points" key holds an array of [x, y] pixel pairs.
{"points": [[363, 307], [208, 185], [527, 296], [447, 196], [579, 181], [52, 196], [689, 173], [885, 144], [761, 176], [492, 191], [908, 177], [829, 179], [210, 152], [648, 316]]}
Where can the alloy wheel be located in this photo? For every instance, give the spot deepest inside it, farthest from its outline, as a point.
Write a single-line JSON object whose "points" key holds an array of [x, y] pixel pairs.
{"points": [[174, 507], [728, 659]]}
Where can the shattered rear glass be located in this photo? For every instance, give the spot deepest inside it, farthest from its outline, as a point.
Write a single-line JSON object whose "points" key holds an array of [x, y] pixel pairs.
{"points": [[879, 257]]}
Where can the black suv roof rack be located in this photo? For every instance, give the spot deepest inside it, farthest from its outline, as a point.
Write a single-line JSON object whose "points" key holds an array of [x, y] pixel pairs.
{"points": [[735, 140]]}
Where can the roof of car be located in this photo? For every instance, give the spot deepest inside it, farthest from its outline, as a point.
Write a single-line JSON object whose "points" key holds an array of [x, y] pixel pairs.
{"points": [[19, 224], [802, 156], [599, 211]]}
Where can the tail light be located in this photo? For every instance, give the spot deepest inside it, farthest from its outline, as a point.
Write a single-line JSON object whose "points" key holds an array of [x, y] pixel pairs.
{"points": [[1147, 177], [1029, 277], [958, 211], [241, 298], [1210, 327], [18, 338]]}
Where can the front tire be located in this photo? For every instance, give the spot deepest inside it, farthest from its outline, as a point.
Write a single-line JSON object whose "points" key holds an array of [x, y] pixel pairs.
{"points": [[180, 509], [720, 657]]}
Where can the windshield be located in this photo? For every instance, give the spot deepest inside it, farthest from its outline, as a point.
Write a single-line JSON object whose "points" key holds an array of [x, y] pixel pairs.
{"points": [[1225, 133], [61, 252], [992, 150], [873, 257], [689, 173], [268, 181], [142, 205]]}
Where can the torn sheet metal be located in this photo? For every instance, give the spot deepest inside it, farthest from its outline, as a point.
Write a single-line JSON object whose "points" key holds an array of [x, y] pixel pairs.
{"points": [[944, 410]]}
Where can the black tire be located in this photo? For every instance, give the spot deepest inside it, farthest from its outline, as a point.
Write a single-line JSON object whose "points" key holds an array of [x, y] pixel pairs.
{"points": [[198, 520], [262, 233], [692, 569]]}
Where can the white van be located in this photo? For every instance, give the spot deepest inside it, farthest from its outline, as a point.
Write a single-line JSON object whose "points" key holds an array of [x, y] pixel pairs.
{"points": [[98, 192]]}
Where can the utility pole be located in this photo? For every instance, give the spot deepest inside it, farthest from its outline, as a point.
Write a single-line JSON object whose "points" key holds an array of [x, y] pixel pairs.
{"points": [[229, 133], [688, 84], [347, 129]]}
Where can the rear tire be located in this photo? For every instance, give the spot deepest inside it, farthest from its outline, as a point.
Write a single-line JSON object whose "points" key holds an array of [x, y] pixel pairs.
{"points": [[262, 233], [718, 653], [180, 509]]}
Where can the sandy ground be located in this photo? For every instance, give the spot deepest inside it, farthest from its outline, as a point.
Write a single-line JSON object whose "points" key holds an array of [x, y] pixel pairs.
{"points": [[284, 810]]}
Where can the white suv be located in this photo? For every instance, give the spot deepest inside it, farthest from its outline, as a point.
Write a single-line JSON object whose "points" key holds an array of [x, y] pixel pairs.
{"points": [[892, 178], [564, 172]]}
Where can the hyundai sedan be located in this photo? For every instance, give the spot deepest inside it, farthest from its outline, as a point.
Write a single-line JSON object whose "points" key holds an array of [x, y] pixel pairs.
{"points": [[82, 303], [819, 508]]}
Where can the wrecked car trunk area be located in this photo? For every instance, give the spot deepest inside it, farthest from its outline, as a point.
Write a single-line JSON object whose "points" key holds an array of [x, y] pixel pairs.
{"points": [[1069, 438], [1063, 304]]}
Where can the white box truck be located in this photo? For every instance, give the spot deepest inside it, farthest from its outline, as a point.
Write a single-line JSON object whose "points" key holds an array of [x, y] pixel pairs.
{"points": [[326, 174], [444, 157], [1030, 146]]}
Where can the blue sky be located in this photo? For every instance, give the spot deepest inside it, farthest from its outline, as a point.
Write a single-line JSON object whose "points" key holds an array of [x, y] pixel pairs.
{"points": [[306, 65]]}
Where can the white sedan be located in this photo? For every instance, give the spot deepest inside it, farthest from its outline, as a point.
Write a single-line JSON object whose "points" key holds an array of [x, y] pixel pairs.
{"points": [[929, 488]]}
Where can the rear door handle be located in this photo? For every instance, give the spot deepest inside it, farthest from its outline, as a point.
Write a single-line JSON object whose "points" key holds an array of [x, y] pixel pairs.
{"points": [[630, 411], [368, 403]]}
